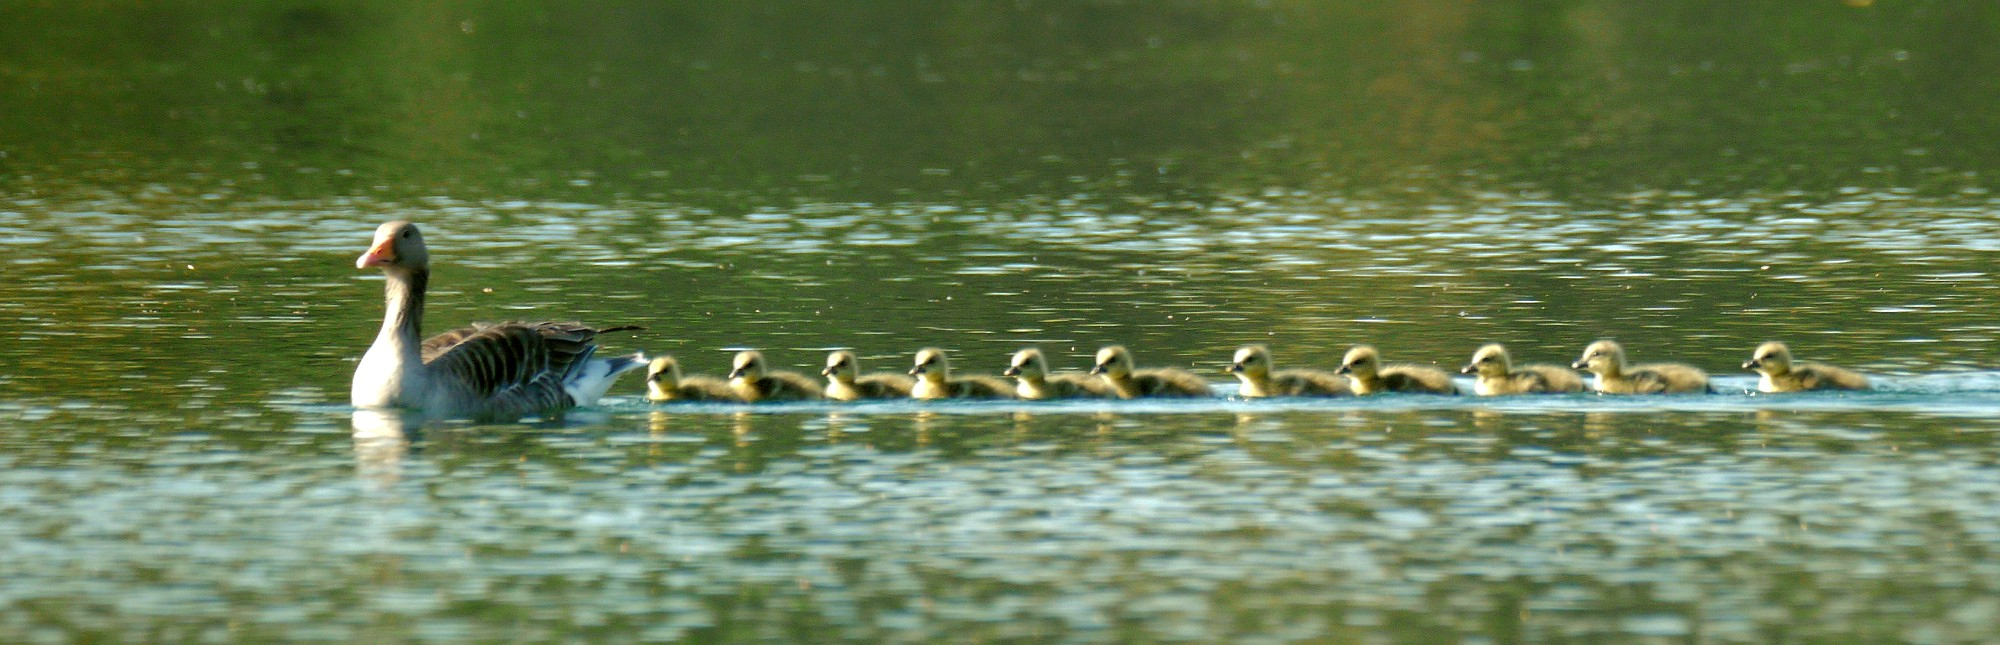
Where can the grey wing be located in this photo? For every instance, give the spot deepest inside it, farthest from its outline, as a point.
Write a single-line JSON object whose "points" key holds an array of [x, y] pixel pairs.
{"points": [[511, 368]]}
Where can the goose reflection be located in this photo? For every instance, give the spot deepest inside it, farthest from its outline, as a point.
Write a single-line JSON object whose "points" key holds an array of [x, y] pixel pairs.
{"points": [[381, 440]]}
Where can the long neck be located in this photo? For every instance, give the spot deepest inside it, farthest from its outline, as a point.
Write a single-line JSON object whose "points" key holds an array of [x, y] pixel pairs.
{"points": [[404, 319]]}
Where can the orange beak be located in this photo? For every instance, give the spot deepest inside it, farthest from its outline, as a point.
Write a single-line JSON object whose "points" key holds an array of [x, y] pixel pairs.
{"points": [[380, 255]]}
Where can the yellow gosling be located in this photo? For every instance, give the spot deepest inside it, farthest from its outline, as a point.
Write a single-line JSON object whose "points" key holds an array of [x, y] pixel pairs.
{"points": [[844, 381], [934, 380], [1252, 366], [1115, 366], [664, 383], [1364, 369], [1495, 373], [1774, 361], [752, 382], [1607, 360], [1033, 381]]}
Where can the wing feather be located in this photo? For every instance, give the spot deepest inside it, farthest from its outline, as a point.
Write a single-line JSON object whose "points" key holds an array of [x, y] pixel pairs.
{"points": [[512, 368]]}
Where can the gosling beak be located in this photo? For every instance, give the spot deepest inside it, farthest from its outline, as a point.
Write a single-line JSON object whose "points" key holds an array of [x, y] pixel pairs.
{"points": [[736, 373], [382, 254], [827, 372], [1469, 368], [1345, 369], [917, 371], [1580, 365], [1234, 368], [1097, 369], [1752, 364], [1012, 370]]}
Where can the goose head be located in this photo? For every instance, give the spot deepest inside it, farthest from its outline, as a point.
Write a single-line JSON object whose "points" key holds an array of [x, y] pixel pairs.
{"points": [[1361, 361], [1028, 364], [1770, 358], [1251, 360], [1602, 357], [931, 365], [398, 246], [1490, 360], [1114, 361], [749, 365]]}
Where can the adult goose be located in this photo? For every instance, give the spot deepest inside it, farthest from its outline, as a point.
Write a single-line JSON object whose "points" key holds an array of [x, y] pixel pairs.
{"points": [[489, 371]]}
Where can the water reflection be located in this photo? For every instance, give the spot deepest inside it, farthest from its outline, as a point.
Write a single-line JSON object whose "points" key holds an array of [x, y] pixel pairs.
{"points": [[381, 441], [182, 187]]}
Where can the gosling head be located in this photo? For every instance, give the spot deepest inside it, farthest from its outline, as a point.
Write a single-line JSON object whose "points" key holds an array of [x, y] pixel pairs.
{"points": [[663, 375], [749, 365], [1251, 360], [1028, 364], [1114, 361], [1770, 358], [664, 372], [1602, 357], [931, 365], [1490, 360], [398, 246], [841, 366], [1362, 361]]}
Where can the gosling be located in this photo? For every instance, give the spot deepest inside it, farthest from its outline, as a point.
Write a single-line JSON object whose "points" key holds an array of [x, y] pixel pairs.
{"points": [[1033, 380], [664, 383], [1252, 366], [1115, 366], [1367, 375], [934, 380], [1495, 374], [1607, 360], [844, 381], [1774, 361], [753, 383]]}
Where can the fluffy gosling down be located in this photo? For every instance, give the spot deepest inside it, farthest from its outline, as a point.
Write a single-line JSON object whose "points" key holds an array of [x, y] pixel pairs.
{"points": [[1115, 367], [664, 383], [1495, 373], [1030, 370], [1364, 369], [934, 380], [1779, 374], [752, 382], [1607, 360], [844, 381], [1252, 366]]}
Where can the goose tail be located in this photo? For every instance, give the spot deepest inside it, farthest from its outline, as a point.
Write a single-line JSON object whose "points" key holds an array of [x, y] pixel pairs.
{"points": [[588, 383]]}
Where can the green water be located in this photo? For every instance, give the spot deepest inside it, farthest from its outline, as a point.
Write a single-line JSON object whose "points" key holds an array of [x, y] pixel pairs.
{"points": [[184, 187]]}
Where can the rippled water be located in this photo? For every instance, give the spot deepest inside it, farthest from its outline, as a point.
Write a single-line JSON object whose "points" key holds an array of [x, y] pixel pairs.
{"points": [[183, 192]]}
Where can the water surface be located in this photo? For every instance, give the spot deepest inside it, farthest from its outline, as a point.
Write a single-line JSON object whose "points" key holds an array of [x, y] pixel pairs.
{"points": [[183, 189]]}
